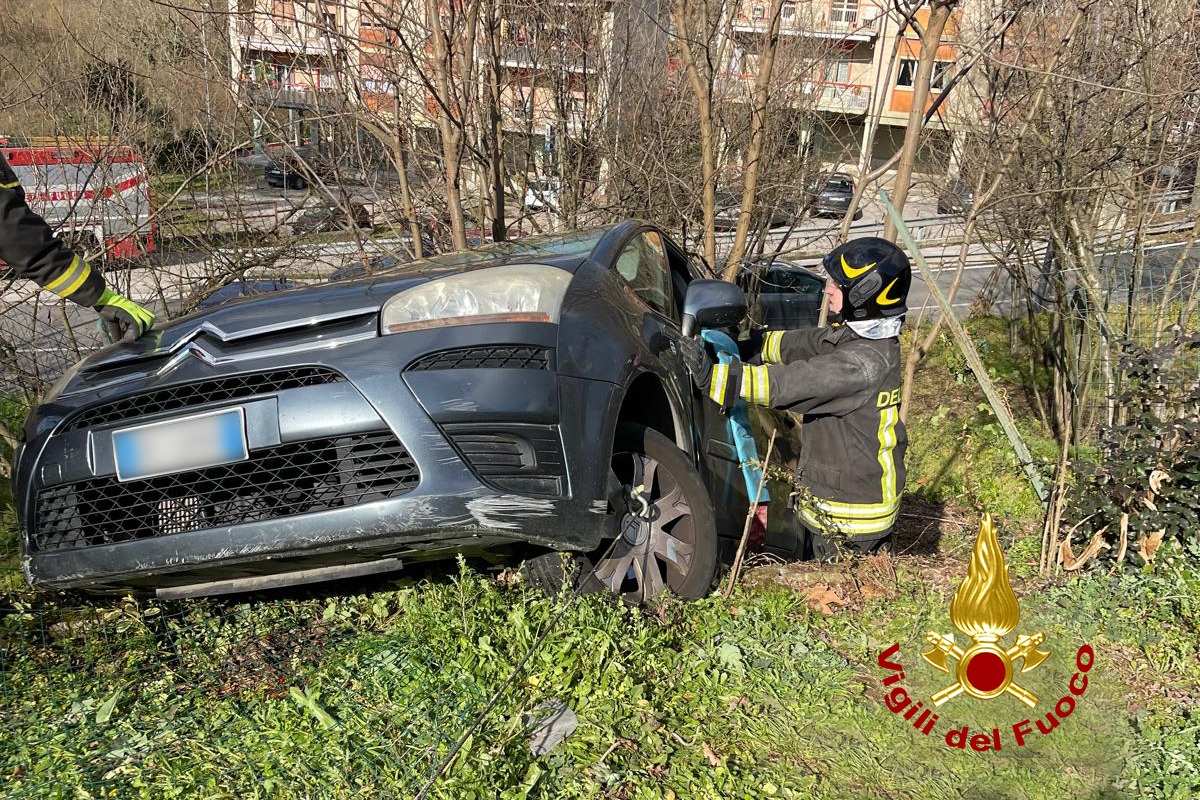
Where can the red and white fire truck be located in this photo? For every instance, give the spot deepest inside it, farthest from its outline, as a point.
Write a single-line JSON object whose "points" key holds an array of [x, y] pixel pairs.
{"points": [[96, 195]]}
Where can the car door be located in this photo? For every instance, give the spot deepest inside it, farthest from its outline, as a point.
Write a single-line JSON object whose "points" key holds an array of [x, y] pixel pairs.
{"points": [[719, 464], [790, 298], [644, 266]]}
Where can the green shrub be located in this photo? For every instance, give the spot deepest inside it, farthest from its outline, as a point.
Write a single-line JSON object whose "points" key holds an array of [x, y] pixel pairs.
{"points": [[1146, 490]]}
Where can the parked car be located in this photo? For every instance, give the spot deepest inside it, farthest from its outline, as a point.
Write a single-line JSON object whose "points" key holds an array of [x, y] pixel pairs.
{"points": [[729, 209], [298, 168], [244, 288], [782, 295], [519, 399], [543, 193], [955, 197], [324, 219], [829, 193]]}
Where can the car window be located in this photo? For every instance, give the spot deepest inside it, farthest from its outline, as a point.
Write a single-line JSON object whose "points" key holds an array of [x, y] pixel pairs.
{"points": [[643, 265], [785, 280], [840, 184]]}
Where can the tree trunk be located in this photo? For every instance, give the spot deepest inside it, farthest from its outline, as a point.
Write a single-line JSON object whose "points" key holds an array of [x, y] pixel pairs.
{"points": [[451, 135], [754, 155], [931, 38], [702, 87], [495, 128]]}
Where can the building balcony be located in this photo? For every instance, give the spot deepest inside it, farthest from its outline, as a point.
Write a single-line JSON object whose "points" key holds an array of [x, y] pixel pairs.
{"points": [[840, 98], [275, 95], [271, 35], [553, 57], [845, 27]]}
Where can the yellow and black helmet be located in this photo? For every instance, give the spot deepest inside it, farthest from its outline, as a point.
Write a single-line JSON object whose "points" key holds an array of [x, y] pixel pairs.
{"points": [[874, 276]]}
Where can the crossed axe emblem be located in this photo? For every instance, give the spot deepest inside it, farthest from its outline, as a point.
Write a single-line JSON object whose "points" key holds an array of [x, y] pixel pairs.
{"points": [[984, 681]]}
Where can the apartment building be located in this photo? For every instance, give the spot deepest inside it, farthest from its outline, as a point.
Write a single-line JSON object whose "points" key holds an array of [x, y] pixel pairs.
{"points": [[290, 60], [849, 64], [562, 69]]}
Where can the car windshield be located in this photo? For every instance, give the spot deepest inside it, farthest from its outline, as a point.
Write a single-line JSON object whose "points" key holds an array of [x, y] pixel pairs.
{"points": [[576, 244], [839, 184]]}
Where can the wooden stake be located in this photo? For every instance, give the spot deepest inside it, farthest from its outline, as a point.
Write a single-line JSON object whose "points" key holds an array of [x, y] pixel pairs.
{"points": [[741, 551]]}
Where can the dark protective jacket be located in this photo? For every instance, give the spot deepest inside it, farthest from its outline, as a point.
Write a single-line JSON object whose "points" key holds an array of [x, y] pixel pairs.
{"points": [[31, 250], [848, 388]]}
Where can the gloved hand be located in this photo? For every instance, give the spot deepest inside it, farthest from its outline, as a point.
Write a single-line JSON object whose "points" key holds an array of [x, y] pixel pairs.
{"points": [[130, 319], [695, 358], [719, 382]]}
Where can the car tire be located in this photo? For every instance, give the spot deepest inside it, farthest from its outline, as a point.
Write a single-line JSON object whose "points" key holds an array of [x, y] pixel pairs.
{"points": [[671, 541], [554, 573]]}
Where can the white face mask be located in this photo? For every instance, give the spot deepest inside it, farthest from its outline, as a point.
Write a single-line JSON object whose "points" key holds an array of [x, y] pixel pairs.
{"points": [[884, 328]]}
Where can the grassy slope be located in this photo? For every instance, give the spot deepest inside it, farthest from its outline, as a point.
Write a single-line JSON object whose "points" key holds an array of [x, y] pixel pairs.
{"points": [[765, 695]]}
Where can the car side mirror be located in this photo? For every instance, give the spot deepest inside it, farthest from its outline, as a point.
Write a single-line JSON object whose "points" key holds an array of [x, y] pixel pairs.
{"points": [[712, 304]]}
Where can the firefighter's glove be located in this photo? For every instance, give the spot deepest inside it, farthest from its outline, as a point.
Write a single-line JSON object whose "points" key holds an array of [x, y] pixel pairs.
{"points": [[718, 382], [121, 312]]}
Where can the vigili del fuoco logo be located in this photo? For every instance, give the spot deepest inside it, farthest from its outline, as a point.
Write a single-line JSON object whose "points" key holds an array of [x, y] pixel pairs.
{"points": [[984, 608]]}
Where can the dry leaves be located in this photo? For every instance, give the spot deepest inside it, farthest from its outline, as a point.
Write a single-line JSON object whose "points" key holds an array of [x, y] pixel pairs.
{"points": [[710, 754], [823, 599], [1149, 543], [1071, 562]]}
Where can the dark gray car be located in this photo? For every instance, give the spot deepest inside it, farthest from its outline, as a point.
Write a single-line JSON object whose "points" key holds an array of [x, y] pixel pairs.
{"points": [[522, 398], [783, 295], [829, 193]]}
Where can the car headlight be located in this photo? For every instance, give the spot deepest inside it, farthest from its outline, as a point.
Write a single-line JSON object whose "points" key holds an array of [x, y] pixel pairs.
{"points": [[521, 293]]}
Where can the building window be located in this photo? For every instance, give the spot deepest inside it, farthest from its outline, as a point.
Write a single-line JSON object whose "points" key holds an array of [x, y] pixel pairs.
{"points": [[837, 71], [906, 76], [758, 11], [941, 75], [788, 12], [843, 12]]}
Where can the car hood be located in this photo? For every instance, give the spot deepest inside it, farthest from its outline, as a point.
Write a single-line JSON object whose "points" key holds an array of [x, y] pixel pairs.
{"points": [[279, 314]]}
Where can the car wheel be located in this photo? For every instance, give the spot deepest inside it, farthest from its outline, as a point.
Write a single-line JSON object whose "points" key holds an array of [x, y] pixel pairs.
{"points": [[668, 534]]}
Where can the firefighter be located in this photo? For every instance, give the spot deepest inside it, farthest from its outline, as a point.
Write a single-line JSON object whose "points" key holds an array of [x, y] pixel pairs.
{"points": [[31, 250], [845, 380]]}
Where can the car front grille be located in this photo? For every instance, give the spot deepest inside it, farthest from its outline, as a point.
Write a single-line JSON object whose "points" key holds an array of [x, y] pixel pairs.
{"points": [[488, 357], [172, 398], [283, 481], [526, 459]]}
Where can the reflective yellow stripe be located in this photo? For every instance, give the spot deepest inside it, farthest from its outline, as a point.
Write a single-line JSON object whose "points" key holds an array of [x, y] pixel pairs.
{"points": [[831, 523], [887, 442], [856, 510], [83, 276], [756, 385], [69, 277], [771, 345], [720, 376], [12, 185]]}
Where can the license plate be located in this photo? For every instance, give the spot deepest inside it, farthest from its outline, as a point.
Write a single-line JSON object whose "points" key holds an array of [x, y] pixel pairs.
{"points": [[160, 448]]}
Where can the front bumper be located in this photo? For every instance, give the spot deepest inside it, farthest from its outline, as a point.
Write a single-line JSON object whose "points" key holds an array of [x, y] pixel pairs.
{"points": [[414, 446]]}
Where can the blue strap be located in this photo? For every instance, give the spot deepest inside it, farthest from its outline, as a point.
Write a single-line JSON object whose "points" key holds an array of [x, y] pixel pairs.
{"points": [[739, 420]]}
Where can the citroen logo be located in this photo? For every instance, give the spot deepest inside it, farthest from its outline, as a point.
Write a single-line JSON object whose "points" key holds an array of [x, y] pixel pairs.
{"points": [[853, 273], [202, 354]]}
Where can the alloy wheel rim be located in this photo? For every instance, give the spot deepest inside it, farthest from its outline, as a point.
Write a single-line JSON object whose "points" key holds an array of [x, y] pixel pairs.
{"points": [[656, 544]]}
